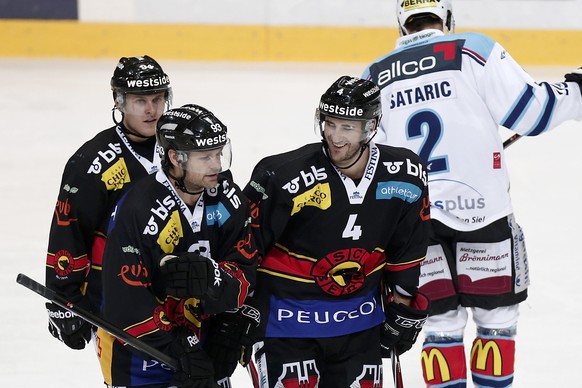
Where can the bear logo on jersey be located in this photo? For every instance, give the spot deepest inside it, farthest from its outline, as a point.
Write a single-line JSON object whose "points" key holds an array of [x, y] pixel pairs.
{"points": [[343, 272]]}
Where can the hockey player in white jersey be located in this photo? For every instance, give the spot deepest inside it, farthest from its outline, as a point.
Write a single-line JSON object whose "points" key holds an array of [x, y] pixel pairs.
{"points": [[444, 97]]}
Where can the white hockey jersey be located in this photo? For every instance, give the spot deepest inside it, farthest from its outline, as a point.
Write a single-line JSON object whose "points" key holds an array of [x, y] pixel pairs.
{"points": [[444, 97]]}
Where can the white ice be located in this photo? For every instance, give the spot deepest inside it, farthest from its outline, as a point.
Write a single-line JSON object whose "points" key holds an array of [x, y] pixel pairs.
{"points": [[48, 108]]}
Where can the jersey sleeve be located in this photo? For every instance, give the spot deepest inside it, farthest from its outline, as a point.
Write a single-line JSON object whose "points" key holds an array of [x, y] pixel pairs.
{"points": [[407, 248], [517, 102], [131, 280], [270, 213], [236, 253], [78, 211]]}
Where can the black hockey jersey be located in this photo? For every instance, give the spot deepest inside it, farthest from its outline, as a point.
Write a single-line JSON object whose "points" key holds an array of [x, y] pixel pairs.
{"points": [[328, 241], [152, 220], [93, 180]]}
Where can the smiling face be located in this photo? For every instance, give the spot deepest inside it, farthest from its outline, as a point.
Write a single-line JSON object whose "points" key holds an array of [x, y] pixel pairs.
{"points": [[142, 111], [344, 139]]}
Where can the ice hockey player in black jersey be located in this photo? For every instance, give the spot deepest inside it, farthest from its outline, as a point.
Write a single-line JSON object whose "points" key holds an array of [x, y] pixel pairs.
{"points": [[94, 179], [342, 229], [179, 262]]}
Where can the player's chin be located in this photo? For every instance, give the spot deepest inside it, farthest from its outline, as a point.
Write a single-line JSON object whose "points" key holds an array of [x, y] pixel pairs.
{"points": [[148, 129], [338, 157]]}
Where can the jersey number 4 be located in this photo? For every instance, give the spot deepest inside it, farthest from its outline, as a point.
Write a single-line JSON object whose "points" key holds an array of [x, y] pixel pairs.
{"points": [[352, 230]]}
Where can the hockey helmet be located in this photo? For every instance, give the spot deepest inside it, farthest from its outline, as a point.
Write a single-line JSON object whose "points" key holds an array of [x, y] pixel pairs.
{"points": [[192, 128], [139, 75], [441, 9], [351, 98]]}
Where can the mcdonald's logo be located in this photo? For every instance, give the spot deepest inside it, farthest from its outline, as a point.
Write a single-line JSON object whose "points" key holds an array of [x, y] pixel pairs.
{"points": [[428, 358], [482, 351]]}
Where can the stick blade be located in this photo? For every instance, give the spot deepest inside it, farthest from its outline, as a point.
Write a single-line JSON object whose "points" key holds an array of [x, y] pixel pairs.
{"points": [[396, 371]]}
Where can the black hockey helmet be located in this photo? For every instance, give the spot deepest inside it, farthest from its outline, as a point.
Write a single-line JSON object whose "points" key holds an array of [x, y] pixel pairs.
{"points": [[191, 128], [139, 75], [351, 98]]}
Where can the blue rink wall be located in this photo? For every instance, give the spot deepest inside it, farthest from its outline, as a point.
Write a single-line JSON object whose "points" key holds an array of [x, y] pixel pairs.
{"points": [[542, 32], [39, 9]]}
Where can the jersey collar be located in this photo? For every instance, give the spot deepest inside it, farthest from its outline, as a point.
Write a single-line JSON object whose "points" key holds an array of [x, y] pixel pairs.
{"points": [[417, 38]]}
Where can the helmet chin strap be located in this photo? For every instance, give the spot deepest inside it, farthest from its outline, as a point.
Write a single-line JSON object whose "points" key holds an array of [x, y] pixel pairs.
{"points": [[124, 129], [362, 149], [180, 185], [115, 118]]}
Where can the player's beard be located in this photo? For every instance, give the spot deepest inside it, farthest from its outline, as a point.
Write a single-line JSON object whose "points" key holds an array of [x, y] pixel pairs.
{"points": [[201, 182], [343, 156]]}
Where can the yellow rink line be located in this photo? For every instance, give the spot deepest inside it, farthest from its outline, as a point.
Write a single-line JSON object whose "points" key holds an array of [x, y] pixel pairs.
{"points": [[73, 39]]}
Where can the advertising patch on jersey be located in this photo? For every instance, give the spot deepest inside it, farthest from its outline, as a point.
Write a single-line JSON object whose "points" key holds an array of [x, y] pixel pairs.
{"points": [[246, 247], [104, 157], [116, 176], [411, 168], [435, 277], [171, 234], [217, 214], [417, 61], [520, 260], [411, 5], [496, 160], [62, 213], [318, 318], [318, 196], [135, 275], [485, 268], [401, 190]]}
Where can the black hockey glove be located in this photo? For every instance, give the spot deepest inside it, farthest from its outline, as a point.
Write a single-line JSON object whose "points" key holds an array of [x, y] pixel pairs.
{"points": [[67, 327], [575, 76], [403, 324], [188, 275], [195, 367], [230, 339]]}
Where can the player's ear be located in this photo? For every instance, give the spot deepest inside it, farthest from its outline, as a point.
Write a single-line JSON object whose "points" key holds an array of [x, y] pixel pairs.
{"points": [[174, 157]]}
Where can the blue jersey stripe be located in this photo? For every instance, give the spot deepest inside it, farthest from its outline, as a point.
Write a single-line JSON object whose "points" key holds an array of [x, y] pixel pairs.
{"points": [[517, 111], [548, 111]]}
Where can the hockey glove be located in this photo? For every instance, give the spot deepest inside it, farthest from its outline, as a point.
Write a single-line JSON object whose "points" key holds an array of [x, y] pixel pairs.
{"points": [[195, 367], [230, 339], [403, 324], [67, 327], [575, 76], [188, 275]]}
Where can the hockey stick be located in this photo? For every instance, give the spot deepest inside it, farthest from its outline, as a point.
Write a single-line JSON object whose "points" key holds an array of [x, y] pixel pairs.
{"points": [[512, 139], [253, 374], [96, 320], [396, 371]]}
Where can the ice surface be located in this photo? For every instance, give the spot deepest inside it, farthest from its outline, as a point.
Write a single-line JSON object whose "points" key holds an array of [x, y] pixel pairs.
{"points": [[48, 108]]}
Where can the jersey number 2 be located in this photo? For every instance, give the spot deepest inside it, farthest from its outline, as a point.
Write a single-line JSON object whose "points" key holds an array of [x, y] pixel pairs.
{"points": [[427, 123]]}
